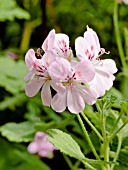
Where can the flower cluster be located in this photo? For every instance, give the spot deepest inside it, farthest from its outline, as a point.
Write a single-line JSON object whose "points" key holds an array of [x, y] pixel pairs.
{"points": [[41, 146], [76, 80]]}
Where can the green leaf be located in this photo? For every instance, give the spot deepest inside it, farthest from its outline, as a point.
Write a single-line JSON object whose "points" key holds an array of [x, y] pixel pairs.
{"points": [[106, 102], [18, 132], [124, 132], [65, 143], [124, 105], [12, 77], [123, 156], [114, 92], [9, 10]]}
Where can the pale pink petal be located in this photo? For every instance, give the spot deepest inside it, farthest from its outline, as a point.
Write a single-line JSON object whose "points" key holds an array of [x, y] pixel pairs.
{"points": [[33, 147], [84, 71], [101, 83], [107, 65], [58, 87], [75, 101], [48, 58], [46, 153], [59, 102], [39, 135], [60, 69], [46, 93], [60, 40], [33, 86], [30, 75], [88, 94], [61, 45], [93, 40], [48, 43], [82, 48], [30, 58]]}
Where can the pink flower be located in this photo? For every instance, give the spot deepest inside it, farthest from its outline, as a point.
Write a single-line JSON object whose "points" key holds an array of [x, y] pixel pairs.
{"points": [[71, 90], [39, 77], [41, 146], [48, 43], [59, 44], [88, 48]]}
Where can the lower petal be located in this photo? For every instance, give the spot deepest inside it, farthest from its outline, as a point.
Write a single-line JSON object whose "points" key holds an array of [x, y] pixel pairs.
{"points": [[59, 102], [33, 86], [46, 94], [101, 83], [75, 101], [89, 95]]}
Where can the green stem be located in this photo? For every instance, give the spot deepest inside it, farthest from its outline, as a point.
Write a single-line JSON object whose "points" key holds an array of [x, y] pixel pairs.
{"points": [[112, 130], [68, 162], [106, 155], [27, 31], [118, 37], [87, 137], [113, 135], [105, 143], [88, 166], [75, 167], [117, 153], [92, 126]]}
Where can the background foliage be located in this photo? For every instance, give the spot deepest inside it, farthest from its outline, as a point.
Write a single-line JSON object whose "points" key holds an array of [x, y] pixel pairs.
{"points": [[25, 24]]}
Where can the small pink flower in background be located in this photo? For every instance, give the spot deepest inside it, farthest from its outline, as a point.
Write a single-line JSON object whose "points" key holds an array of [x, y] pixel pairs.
{"points": [[12, 55], [41, 146], [88, 48], [70, 92], [39, 77]]}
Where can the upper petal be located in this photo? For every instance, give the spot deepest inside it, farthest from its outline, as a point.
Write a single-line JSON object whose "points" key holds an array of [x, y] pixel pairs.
{"points": [[48, 58], [61, 45], [84, 71], [60, 70], [30, 58], [48, 43], [91, 37], [82, 48]]}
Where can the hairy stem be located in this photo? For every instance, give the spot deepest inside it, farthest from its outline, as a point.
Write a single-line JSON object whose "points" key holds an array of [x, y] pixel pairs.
{"points": [[117, 153], [92, 126], [87, 137]]}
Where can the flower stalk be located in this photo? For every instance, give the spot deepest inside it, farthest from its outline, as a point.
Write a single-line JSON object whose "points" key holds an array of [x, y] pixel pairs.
{"points": [[87, 137], [92, 126]]}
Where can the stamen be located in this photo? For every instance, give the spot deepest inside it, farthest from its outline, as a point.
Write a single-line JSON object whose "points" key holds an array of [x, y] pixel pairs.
{"points": [[102, 51], [39, 53]]}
